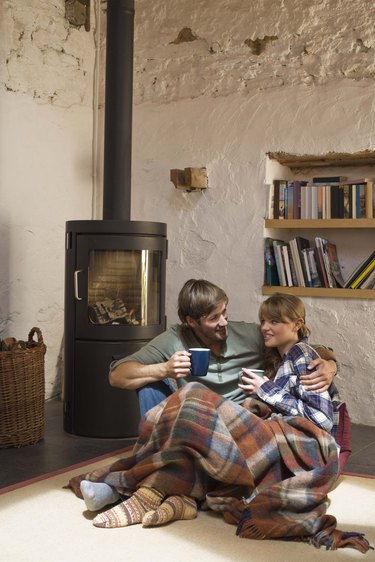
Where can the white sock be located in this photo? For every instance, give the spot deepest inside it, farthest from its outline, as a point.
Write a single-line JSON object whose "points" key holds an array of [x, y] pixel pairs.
{"points": [[98, 494]]}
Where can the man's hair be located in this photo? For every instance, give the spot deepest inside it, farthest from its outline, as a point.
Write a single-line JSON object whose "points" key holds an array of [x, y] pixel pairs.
{"points": [[198, 298]]}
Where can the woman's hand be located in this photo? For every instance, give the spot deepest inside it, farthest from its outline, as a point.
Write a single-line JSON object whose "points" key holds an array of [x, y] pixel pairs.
{"points": [[321, 378], [250, 381]]}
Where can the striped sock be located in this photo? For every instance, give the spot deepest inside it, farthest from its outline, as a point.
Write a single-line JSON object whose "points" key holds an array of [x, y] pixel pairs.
{"points": [[131, 511], [174, 508]]}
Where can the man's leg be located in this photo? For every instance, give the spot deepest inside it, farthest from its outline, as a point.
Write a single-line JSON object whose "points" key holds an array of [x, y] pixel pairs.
{"points": [[152, 394]]}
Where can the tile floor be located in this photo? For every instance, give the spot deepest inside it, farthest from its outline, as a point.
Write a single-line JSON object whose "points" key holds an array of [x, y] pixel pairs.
{"points": [[59, 449]]}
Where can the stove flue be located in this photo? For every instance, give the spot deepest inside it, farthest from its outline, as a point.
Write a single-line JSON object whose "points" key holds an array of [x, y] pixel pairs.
{"points": [[115, 268]]}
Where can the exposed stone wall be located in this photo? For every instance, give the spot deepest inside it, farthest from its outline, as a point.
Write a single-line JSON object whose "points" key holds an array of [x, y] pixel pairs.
{"points": [[43, 56], [184, 50]]}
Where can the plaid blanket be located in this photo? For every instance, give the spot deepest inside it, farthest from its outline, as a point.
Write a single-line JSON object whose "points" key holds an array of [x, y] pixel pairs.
{"points": [[270, 476]]}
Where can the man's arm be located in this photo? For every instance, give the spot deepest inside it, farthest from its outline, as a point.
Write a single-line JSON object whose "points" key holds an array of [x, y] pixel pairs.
{"points": [[325, 371], [131, 375]]}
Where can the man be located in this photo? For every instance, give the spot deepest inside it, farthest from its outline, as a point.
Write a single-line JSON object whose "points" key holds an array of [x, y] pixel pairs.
{"points": [[163, 364]]}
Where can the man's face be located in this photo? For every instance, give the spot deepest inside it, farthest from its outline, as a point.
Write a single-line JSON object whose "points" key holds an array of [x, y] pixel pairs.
{"points": [[212, 328]]}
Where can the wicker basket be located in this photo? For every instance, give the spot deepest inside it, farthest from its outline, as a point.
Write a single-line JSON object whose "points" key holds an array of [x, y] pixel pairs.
{"points": [[22, 392]]}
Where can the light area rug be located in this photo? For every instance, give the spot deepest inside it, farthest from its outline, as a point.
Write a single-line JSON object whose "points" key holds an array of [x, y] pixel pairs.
{"points": [[43, 522]]}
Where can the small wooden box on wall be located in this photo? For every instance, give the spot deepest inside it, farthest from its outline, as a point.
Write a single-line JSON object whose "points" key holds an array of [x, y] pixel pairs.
{"points": [[190, 179]]}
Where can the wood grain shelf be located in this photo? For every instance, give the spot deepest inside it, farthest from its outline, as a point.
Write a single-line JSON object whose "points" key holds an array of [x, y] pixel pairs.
{"points": [[301, 161], [319, 223], [321, 292]]}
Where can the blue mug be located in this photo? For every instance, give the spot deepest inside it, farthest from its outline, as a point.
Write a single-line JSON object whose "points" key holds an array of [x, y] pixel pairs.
{"points": [[200, 360]]}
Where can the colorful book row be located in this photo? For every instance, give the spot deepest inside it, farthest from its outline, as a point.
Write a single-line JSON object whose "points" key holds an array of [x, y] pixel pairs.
{"points": [[354, 199], [298, 263]]}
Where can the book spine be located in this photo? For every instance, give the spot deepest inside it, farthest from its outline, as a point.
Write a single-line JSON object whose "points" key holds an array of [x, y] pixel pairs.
{"points": [[279, 263], [354, 201], [297, 200], [297, 263], [271, 202], [320, 263], [313, 268], [363, 274], [314, 202], [282, 200], [287, 266], [290, 201], [347, 202], [369, 200], [307, 268], [276, 198], [319, 189]]}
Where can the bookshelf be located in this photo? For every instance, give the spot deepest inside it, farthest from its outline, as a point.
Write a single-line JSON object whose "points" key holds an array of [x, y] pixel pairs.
{"points": [[356, 164]]}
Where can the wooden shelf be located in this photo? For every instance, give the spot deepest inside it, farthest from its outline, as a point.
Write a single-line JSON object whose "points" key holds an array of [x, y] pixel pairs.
{"points": [[319, 223], [296, 161], [321, 292]]}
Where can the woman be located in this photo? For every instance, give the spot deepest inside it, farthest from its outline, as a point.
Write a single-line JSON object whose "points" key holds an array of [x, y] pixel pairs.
{"points": [[266, 465]]}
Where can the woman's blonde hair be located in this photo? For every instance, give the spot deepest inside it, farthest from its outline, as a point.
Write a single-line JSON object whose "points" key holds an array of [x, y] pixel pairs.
{"points": [[281, 307]]}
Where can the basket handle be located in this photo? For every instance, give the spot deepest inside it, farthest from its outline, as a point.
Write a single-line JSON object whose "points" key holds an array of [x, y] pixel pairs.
{"points": [[38, 332]]}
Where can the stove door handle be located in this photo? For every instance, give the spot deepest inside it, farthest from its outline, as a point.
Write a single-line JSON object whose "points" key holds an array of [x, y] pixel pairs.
{"points": [[77, 297]]}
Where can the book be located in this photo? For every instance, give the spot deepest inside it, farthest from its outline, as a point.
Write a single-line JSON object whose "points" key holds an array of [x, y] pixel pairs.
{"points": [[319, 189], [289, 201], [331, 279], [307, 267], [276, 199], [369, 282], [303, 243], [298, 185], [288, 271], [361, 201], [321, 244], [369, 194], [354, 201], [320, 266], [270, 202], [271, 276], [334, 264], [282, 188], [327, 194], [358, 269], [277, 244], [315, 279], [334, 201], [292, 267], [329, 179], [347, 201], [362, 276], [297, 263], [314, 202], [308, 197]]}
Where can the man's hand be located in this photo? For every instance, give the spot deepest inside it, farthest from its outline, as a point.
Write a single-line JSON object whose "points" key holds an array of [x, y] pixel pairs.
{"points": [[178, 366], [320, 379]]}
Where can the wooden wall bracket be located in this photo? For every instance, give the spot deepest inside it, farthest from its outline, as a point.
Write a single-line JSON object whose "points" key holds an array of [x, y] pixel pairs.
{"points": [[190, 179]]}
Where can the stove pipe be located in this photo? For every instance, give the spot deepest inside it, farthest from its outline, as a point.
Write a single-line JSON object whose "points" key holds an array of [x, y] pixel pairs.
{"points": [[118, 110]]}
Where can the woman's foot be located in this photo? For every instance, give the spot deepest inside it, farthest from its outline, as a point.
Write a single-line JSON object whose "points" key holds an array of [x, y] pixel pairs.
{"points": [[174, 508], [131, 511]]}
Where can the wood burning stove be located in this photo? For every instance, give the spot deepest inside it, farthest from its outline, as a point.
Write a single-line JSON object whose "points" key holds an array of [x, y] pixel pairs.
{"points": [[115, 267], [114, 304]]}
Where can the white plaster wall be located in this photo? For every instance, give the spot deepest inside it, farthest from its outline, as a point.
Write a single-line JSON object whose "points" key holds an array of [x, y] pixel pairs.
{"points": [[46, 73], [253, 77]]}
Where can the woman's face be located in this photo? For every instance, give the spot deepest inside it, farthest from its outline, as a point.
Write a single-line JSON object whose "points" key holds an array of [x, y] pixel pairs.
{"points": [[282, 335]]}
